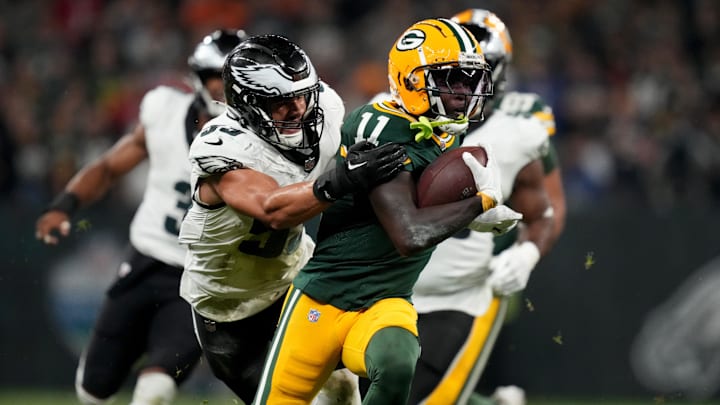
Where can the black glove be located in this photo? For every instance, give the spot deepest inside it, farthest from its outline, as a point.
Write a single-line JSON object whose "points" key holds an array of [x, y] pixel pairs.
{"points": [[365, 167]]}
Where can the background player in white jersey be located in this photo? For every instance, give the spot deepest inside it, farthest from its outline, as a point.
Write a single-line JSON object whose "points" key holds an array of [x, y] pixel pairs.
{"points": [[142, 314], [258, 172], [459, 295]]}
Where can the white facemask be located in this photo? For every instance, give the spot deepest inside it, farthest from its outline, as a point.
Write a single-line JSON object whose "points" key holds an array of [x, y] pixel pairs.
{"points": [[293, 140]]}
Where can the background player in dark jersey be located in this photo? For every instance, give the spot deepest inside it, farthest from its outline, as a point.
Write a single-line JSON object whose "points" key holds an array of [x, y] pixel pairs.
{"points": [[351, 302], [143, 314]]}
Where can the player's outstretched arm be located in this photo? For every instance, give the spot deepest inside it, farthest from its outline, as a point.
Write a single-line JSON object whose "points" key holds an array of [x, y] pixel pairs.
{"points": [[90, 184], [259, 196]]}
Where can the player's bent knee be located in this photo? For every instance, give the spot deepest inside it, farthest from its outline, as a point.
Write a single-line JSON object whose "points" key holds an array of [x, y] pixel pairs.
{"points": [[392, 355], [154, 389]]}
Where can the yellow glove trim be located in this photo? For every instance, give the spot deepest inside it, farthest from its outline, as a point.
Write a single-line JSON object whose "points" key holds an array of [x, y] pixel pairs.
{"points": [[487, 201]]}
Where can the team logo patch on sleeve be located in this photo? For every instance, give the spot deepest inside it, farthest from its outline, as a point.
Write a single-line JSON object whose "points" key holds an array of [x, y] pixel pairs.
{"points": [[217, 164], [313, 315]]}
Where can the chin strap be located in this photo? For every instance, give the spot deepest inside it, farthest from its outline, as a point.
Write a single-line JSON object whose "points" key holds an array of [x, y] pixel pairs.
{"points": [[426, 126]]}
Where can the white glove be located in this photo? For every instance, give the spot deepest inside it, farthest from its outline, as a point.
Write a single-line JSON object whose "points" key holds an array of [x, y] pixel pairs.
{"points": [[498, 220], [487, 178], [511, 268]]}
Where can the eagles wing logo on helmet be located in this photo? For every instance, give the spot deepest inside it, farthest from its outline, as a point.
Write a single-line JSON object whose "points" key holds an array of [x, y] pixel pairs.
{"points": [[411, 40], [257, 77]]}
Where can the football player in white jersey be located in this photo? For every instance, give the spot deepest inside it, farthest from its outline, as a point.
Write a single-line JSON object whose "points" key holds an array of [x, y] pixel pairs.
{"points": [[259, 171], [460, 295], [142, 314]]}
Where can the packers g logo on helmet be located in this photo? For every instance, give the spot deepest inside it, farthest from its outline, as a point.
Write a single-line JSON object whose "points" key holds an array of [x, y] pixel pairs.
{"points": [[428, 49], [410, 40]]}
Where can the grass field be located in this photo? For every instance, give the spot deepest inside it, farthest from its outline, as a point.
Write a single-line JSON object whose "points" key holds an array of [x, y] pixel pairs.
{"points": [[68, 398]]}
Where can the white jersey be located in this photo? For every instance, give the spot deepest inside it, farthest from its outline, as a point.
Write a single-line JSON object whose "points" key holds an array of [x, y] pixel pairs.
{"points": [[155, 226], [235, 266], [454, 278]]}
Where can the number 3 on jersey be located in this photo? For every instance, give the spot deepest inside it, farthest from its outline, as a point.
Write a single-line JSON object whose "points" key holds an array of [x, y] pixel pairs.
{"points": [[267, 243], [172, 224]]}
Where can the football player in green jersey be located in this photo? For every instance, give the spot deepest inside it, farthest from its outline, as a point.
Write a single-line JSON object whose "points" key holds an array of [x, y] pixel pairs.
{"points": [[462, 294], [351, 303]]}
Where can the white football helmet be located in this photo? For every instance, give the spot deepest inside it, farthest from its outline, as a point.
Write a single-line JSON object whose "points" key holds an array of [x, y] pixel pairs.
{"points": [[494, 39]]}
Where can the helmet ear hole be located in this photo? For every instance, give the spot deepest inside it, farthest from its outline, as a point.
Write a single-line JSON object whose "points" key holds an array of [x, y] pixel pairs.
{"points": [[409, 85]]}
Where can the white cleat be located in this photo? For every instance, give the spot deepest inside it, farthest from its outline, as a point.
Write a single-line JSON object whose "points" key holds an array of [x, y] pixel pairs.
{"points": [[509, 395]]}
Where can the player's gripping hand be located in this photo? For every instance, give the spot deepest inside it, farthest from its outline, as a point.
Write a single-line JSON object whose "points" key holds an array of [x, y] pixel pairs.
{"points": [[498, 220], [365, 167], [511, 268], [50, 224], [487, 178]]}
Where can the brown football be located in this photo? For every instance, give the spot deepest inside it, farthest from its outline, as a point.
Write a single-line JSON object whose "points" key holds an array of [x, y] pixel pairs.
{"points": [[447, 179]]}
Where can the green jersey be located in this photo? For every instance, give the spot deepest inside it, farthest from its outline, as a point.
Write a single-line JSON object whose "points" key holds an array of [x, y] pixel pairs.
{"points": [[355, 263]]}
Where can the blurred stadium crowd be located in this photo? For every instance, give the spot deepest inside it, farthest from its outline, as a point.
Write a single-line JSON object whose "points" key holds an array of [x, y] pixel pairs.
{"points": [[635, 84]]}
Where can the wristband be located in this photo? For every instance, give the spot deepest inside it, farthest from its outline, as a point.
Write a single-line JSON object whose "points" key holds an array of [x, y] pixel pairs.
{"points": [[66, 202], [487, 201]]}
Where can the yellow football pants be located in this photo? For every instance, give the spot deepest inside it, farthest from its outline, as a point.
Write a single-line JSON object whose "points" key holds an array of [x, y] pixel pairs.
{"points": [[312, 338]]}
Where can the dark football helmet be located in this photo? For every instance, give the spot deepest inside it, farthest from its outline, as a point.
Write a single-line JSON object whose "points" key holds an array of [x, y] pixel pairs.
{"points": [[267, 69], [207, 61]]}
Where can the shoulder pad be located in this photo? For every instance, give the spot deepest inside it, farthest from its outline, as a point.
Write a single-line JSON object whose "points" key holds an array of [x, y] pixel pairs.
{"points": [[528, 105], [221, 147], [156, 101], [331, 103], [378, 123]]}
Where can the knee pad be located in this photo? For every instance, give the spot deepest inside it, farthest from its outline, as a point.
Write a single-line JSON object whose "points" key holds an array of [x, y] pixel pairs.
{"points": [[154, 388]]}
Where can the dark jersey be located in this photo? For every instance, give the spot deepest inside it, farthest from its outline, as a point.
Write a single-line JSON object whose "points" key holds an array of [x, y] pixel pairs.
{"points": [[355, 263]]}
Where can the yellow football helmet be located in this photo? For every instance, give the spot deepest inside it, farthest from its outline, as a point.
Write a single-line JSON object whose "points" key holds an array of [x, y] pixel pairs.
{"points": [[493, 37], [434, 57]]}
